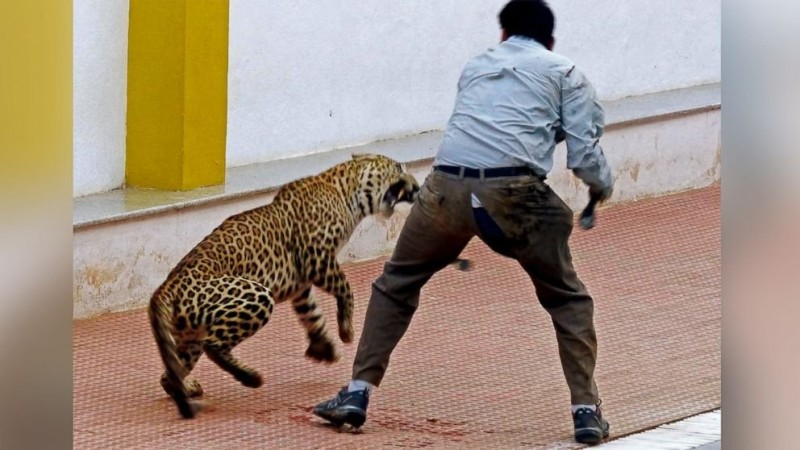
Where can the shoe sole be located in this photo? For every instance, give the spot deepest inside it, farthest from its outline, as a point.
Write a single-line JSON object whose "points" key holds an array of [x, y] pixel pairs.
{"points": [[350, 415], [591, 435]]}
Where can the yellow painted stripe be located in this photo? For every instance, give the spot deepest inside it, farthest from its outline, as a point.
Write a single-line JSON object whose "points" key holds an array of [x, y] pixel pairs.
{"points": [[206, 109], [177, 93]]}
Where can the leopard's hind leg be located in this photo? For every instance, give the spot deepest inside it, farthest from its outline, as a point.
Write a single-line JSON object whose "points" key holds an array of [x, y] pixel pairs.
{"points": [[243, 308], [188, 353], [221, 355]]}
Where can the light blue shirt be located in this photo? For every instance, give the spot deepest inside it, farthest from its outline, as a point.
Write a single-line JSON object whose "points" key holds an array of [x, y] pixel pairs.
{"points": [[512, 100]]}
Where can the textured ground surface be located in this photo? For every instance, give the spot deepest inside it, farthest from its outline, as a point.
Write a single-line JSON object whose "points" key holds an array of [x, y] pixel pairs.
{"points": [[478, 367]]}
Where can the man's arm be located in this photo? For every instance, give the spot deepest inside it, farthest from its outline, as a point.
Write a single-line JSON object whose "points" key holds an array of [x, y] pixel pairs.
{"points": [[582, 121]]}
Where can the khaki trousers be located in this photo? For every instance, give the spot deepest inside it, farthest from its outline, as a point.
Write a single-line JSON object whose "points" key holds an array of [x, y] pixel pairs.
{"points": [[528, 222]]}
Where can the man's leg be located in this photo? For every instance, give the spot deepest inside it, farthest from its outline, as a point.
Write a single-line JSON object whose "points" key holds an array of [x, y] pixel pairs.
{"points": [[436, 231], [423, 248], [537, 225], [571, 309]]}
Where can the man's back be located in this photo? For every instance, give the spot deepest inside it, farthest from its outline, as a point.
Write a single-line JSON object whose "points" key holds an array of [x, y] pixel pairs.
{"points": [[510, 105]]}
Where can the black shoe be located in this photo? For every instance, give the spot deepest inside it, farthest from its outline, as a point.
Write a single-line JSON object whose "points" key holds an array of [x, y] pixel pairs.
{"points": [[346, 407], [590, 427]]}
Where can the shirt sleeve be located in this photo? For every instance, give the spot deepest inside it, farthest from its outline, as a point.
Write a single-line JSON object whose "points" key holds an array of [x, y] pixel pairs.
{"points": [[582, 121]]}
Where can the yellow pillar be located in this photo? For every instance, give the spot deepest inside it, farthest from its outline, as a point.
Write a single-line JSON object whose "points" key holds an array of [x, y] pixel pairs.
{"points": [[177, 93]]}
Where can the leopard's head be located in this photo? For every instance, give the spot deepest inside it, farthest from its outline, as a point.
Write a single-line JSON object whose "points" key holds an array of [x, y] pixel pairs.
{"points": [[384, 183]]}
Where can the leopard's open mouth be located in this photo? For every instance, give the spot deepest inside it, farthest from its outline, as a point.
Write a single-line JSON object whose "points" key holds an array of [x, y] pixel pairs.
{"points": [[404, 190]]}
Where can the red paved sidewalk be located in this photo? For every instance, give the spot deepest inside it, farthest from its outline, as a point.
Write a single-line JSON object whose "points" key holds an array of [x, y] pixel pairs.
{"points": [[478, 367]]}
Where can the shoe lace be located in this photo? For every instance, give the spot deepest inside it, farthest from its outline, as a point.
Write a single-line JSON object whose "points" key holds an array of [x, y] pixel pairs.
{"points": [[339, 398]]}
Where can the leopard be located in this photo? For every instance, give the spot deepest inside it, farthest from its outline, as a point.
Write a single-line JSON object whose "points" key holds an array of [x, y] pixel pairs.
{"points": [[225, 288]]}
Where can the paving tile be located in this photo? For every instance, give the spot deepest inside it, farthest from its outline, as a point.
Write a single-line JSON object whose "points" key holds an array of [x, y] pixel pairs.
{"points": [[478, 367]]}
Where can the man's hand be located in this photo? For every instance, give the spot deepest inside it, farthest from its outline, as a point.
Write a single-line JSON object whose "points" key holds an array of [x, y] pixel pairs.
{"points": [[595, 196], [601, 194]]}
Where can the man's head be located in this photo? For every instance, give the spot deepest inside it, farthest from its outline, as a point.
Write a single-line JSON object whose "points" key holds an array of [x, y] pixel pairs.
{"points": [[530, 18]]}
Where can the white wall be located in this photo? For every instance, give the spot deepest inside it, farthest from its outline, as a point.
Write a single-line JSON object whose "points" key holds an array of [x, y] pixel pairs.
{"points": [[307, 76], [630, 47], [100, 53], [310, 75]]}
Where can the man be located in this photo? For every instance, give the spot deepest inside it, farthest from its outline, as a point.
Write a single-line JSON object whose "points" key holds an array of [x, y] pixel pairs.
{"points": [[514, 103]]}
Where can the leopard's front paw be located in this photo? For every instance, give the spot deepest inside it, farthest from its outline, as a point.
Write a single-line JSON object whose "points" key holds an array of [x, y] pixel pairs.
{"points": [[323, 350], [251, 379]]}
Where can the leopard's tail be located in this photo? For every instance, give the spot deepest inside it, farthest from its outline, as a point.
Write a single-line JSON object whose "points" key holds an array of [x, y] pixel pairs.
{"points": [[160, 313]]}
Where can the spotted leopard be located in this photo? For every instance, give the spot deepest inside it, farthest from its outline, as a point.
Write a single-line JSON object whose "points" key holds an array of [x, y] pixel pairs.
{"points": [[224, 290]]}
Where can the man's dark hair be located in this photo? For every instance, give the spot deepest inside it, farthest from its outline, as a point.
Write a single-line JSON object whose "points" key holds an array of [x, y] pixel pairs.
{"points": [[530, 18]]}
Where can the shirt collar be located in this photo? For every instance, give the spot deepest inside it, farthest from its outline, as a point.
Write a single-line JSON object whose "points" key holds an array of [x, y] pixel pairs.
{"points": [[525, 41]]}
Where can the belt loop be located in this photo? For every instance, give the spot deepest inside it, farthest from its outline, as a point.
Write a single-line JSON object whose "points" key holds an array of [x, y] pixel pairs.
{"points": [[482, 175], [461, 173]]}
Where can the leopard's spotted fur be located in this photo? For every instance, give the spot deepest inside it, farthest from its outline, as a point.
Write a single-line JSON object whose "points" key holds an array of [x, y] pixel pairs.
{"points": [[223, 291]]}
